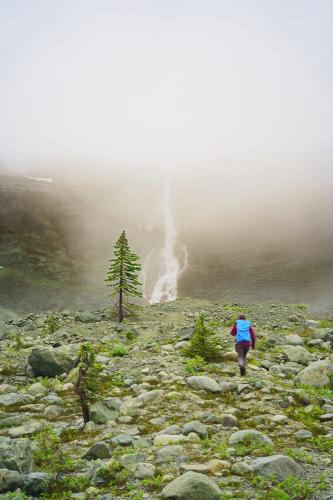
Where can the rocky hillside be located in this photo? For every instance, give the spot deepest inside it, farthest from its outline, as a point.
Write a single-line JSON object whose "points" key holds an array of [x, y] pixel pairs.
{"points": [[162, 425], [42, 244]]}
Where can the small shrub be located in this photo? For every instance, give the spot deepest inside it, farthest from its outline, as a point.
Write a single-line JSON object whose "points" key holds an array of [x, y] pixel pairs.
{"points": [[51, 324], [290, 489], [119, 350], [195, 364], [203, 342]]}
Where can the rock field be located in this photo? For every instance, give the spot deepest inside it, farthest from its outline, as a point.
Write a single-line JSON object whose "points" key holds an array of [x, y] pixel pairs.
{"points": [[163, 427]]}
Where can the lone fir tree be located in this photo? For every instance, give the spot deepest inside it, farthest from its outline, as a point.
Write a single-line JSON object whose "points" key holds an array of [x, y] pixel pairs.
{"points": [[123, 275]]}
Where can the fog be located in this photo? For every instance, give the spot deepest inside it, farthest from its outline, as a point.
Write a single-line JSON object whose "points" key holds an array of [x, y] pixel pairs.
{"points": [[229, 100]]}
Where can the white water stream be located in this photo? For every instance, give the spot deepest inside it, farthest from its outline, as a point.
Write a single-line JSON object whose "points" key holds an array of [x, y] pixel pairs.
{"points": [[172, 259]]}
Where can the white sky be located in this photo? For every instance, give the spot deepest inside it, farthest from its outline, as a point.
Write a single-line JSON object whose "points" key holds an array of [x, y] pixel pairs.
{"points": [[225, 84]]}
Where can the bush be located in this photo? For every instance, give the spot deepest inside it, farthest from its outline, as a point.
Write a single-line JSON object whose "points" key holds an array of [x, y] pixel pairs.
{"points": [[195, 364], [51, 324], [204, 342], [119, 350]]}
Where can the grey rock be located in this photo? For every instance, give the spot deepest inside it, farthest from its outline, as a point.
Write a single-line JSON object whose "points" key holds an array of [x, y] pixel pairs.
{"points": [[173, 429], [279, 466], [10, 422], [15, 454], [129, 460], [241, 468], [229, 420], [303, 434], [10, 480], [53, 411], [228, 387], [298, 354], [294, 339], [36, 483], [123, 440], [150, 397], [174, 453], [249, 435], [317, 374], [86, 317], [14, 398], [144, 470], [50, 362], [28, 429], [203, 383], [197, 427], [102, 411], [192, 486], [98, 450]]}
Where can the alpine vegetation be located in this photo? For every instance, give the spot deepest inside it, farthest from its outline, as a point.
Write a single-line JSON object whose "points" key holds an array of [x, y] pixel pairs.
{"points": [[204, 342]]}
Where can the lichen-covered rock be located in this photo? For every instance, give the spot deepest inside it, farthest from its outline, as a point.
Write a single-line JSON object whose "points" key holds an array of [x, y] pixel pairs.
{"points": [[249, 435], [278, 466], [144, 470], [317, 374], [15, 454], [197, 427], [50, 362], [13, 399], [201, 382], [10, 480], [36, 483], [174, 453], [192, 486], [98, 450], [298, 354], [102, 411]]}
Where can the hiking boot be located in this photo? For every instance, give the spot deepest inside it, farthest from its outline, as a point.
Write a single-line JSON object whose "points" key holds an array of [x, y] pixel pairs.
{"points": [[242, 370]]}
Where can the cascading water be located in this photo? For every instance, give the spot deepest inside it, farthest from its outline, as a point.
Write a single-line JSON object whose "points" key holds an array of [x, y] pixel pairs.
{"points": [[172, 258]]}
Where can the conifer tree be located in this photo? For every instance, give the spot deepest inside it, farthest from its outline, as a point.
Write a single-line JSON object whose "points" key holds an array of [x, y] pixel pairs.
{"points": [[123, 275], [203, 342]]}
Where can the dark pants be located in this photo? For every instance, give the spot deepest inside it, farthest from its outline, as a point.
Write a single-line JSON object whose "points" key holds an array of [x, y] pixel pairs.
{"points": [[242, 350]]}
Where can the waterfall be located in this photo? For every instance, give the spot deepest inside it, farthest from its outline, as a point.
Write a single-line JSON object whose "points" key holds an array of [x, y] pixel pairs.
{"points": [[172, 258]]}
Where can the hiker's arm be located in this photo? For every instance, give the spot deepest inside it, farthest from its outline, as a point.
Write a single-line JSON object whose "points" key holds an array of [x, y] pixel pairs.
{"points": [[234, 330], [253, 337]]}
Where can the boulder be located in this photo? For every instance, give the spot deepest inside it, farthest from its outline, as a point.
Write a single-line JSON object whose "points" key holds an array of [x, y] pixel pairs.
{"points": [[15, 454], [192, 486], [98, 450], [204, 383], [102, 411], [50, 362], [37, 483], [294, 339], [197, 427], [150, 397], [14, 398], [144, 470], [175, 453], [247, 436], [278, 466], [86, 317], [317, 374], [28, 429], [10, 480], [298, 354]]}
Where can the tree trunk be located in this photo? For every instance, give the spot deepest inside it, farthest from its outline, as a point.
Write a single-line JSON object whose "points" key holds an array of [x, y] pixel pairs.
{"points": [[120, 307], [82, 396]]}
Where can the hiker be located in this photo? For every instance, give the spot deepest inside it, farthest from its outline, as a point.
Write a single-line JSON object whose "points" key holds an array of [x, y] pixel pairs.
{"points": [[245, 338]]}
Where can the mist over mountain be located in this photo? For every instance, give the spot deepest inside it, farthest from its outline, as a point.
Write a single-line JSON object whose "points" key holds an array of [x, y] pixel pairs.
{"points": [[57, 237]]}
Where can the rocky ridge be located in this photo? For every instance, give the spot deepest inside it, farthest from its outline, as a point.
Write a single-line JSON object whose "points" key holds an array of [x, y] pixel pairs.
{"points": [[166, 427]]}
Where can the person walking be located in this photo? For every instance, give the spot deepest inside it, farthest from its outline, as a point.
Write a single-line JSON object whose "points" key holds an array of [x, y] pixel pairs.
{"points": [[245, 337]]}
